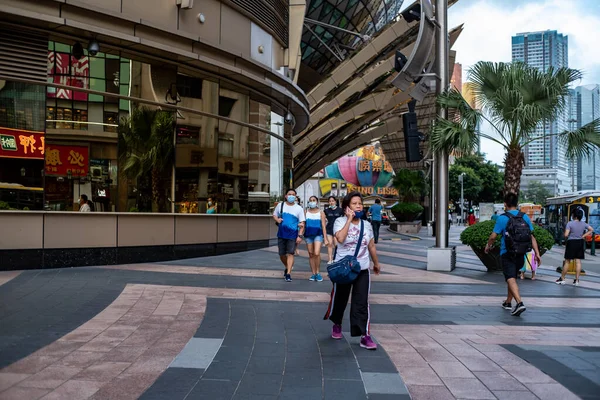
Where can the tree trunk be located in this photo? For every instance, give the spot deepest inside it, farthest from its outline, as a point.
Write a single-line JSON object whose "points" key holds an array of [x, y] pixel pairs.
{"points": [[156, 190], [513, 163]]}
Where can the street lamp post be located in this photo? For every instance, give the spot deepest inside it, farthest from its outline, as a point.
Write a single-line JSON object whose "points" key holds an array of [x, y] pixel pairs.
{"points": [[461, 179], [441, 257]]}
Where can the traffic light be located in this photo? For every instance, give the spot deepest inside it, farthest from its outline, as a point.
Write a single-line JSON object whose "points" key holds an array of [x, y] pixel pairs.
{"points": [[412, 137]]}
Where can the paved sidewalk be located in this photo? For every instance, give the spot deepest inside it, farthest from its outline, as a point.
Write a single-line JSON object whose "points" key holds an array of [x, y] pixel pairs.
{"points": [[230, 327]]}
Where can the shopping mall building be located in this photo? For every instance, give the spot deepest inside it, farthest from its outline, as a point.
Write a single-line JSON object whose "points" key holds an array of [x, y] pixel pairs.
{"points": [[160, 105], [223, 71]]}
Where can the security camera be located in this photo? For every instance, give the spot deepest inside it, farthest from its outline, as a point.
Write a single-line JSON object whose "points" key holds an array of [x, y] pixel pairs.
{"points": [[93, 47], [289, 117]]}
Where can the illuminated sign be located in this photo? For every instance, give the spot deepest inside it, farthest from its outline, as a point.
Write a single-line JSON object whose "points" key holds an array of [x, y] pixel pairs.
{"points": [[17, 143], [60, 160]]}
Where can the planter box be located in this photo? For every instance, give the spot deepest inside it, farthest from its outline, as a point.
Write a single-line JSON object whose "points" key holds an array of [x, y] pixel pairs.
{"points": [[492, 260], [411, 228]]}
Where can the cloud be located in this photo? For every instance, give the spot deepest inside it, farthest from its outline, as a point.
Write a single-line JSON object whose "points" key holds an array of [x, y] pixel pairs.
{"points": [[490, 24]]}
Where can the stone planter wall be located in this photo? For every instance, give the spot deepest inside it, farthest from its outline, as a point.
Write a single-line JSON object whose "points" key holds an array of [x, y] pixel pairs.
{"points": [[410, 228]]}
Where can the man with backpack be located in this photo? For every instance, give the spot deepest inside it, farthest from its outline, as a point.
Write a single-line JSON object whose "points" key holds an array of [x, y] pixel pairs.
{"points": [[517, 240]]}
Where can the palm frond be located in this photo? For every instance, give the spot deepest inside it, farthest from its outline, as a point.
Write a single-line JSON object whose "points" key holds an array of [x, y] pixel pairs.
{"points": [[450, 136], [583, 142]]}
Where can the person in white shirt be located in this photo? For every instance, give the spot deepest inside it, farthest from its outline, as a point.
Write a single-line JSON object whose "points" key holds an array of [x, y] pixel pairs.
{"points": [[347, 232], [290, 218], [83, 204]]}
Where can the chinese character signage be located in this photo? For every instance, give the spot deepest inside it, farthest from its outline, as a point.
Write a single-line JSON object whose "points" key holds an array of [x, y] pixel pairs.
{"points": [[62, 159], [16, 143]]}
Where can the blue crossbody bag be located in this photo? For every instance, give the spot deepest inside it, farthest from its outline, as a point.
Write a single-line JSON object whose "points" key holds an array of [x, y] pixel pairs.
{"points": [[347, 269]]}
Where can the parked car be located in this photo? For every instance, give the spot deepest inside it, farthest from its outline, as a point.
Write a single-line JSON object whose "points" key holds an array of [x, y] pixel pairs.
{"points": [[541, 221], [385, 218]]}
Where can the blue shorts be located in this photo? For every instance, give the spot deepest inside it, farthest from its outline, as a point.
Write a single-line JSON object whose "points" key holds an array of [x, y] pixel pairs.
{"points": [[311, 240]]}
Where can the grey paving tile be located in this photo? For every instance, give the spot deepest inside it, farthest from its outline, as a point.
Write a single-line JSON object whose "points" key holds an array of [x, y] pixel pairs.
{"points": [[215, 321], [383, 383], [213, 389], [266, 365], [263, 384], [376, 364], [378, 396], [174, 383], [229, 370], [344, 389], [340, 370], [197, 353]]}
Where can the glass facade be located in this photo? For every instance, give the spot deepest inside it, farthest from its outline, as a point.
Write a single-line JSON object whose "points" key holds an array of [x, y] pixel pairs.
{"points": [[361, 16], [92, 149], [585, 107]]}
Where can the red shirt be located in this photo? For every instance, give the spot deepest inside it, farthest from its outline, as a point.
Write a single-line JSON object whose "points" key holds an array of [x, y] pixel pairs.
{"points": [[471, 219]]}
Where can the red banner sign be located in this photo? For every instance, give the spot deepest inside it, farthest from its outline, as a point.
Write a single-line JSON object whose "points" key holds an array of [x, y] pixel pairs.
{"points": [[62, 159], [17, 143]]}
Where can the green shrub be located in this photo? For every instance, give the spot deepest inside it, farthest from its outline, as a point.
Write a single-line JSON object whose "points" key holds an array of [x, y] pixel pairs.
{"points": [[407, 208], [233, 211], [477, 236], [134, 209], [4, 206], [407, 212], [25, 208]]}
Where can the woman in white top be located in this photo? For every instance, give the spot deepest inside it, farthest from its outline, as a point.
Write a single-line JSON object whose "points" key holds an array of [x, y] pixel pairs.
{"points": [[314, 235], [347, 232]]}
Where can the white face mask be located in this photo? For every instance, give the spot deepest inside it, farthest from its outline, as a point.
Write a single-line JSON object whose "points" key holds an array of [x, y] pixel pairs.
{"points": [[312, 204], [210, 203]]}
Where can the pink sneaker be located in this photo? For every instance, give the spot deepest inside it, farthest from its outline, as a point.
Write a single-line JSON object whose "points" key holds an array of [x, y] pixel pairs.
{"points": [[336, 332], [368, 343]]}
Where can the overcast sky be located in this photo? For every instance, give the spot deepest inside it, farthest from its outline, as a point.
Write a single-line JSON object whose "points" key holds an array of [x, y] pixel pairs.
{"points": [[490, 24]]}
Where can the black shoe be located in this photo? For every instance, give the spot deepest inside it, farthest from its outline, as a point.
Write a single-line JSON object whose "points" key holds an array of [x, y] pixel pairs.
{"points": [[506, 305], [284, 272], [288, 278], [518, 310]]}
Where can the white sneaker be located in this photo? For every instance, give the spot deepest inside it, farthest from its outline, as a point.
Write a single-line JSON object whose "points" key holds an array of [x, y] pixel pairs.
{"points": [[575, 282]]}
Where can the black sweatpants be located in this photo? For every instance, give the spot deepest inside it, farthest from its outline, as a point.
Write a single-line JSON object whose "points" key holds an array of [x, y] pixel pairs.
{"points": [[359, 305]]}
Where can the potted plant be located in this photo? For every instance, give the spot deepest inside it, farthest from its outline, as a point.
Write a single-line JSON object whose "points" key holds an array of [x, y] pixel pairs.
{"points": [[412, 186], [476, 236]]}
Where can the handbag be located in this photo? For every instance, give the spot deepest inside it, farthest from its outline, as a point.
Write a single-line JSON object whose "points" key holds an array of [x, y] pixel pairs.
{"points": [[347, 269]]}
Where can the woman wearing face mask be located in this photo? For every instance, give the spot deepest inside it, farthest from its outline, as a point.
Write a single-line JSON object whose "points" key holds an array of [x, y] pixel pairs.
{"points": [[347, 232], [211, 206], [314, 236], [332, 213]]}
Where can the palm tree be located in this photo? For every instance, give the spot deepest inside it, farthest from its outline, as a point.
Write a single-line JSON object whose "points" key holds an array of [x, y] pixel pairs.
{"points": [[515, 99], [411, 185], [146, 148]]}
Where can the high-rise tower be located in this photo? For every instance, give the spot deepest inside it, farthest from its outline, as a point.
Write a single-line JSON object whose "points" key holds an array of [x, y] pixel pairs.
{"points": [[543, 50]]}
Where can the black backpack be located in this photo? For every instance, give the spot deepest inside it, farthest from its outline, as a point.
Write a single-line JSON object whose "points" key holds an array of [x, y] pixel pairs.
{"points": [[517, 236]]}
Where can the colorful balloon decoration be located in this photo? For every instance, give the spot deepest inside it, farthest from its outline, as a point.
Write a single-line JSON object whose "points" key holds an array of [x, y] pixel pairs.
{"points": [[368, 168]]}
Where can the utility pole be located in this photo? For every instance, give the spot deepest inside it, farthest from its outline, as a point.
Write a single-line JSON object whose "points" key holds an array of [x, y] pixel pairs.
{"points": [[441, 257]]}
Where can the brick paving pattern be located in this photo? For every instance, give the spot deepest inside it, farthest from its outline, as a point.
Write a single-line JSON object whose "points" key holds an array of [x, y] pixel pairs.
{"points": [[229, 327]]}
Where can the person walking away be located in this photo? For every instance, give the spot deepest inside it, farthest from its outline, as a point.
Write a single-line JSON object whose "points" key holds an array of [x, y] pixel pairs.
{"points": [[83, 204], [332, 213], [314, 236], [290, 218], [495, 216], [211, 206], [375, 211], [348, 230], [471, 219], [516, 240], [575, 232]]}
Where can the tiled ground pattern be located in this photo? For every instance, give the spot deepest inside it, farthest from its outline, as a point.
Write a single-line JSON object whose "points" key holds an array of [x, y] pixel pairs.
{"points": [[226, 327]]}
